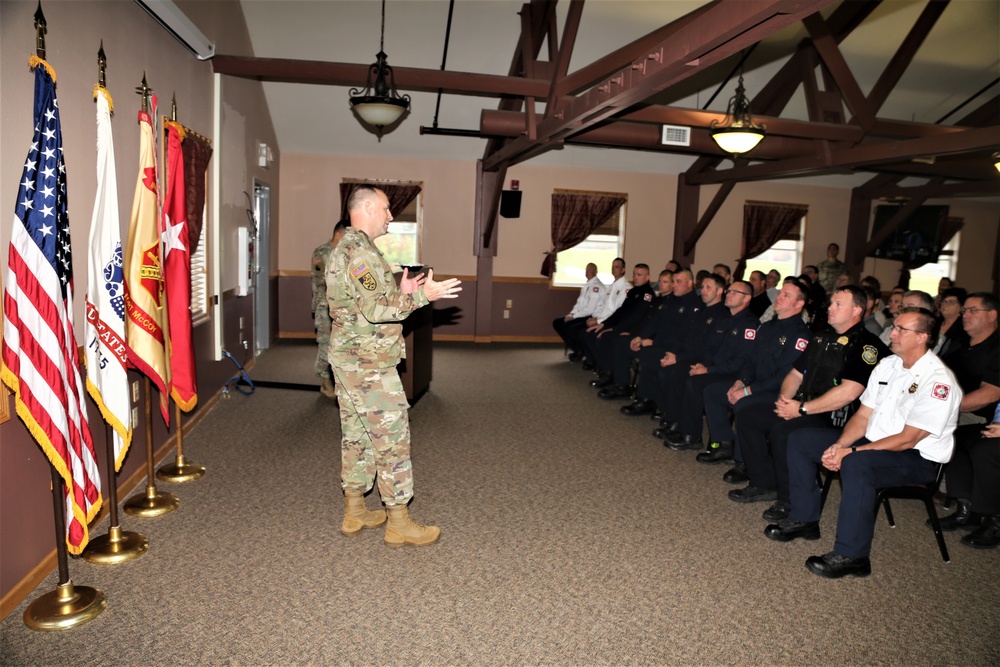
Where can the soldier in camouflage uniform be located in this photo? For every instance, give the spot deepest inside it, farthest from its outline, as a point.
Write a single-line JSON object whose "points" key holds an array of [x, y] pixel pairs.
{"points": [[366, 308], [321, 313]]}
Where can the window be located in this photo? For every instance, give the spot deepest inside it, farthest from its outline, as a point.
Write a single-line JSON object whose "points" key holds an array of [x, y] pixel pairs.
{"points": [[602, 247], [927, 276], [401, 246], [199, 275], [785, 256]]}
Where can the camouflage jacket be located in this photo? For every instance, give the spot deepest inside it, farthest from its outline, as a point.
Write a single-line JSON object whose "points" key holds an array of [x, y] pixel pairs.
{"points": [[366, 306], [320, 260]]}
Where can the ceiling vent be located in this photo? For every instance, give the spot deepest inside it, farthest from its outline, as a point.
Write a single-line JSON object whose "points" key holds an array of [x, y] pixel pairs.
{"points": [[676, 135]]}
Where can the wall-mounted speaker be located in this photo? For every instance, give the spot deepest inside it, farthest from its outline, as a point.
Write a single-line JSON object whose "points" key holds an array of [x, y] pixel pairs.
{"points": [[510, 203]]}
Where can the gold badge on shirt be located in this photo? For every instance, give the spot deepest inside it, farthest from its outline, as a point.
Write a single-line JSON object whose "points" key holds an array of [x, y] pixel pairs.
{"points": [[843, 341], [913, 388]]}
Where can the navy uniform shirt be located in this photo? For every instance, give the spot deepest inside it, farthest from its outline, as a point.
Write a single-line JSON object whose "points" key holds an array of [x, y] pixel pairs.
{"points": [[975, 364], [779, 344], [666, 328], [637, 301], [834, 357], [737, 347], [705, 333]]}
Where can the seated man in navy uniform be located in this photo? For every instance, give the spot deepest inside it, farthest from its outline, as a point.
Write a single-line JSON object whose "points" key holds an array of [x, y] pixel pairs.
{"points": [[903, 429], [780, 342], [820, 391], [702, 340], [734, 353]]}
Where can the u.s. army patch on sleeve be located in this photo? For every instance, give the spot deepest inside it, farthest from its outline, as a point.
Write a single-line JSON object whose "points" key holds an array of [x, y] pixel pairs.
{"points": [[363, 275]]}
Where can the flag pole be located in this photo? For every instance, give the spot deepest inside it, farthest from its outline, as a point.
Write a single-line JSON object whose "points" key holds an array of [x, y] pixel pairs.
{"points": [[67, 606], [151, 503], [117, 546], [181, 470]]}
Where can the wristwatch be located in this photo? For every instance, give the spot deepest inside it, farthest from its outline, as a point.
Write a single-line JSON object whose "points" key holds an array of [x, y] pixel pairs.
{"points": [[802, 408], [854, 449]]}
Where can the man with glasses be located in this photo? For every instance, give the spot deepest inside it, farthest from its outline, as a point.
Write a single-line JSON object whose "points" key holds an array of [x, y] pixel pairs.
{"points": [[976, 367], [735, 352], [902, 430], [820, 391]]}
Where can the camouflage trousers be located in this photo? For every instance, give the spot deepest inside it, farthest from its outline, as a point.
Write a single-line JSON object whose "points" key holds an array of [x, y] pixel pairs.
{"points": [[376, 434], [323, 325]]}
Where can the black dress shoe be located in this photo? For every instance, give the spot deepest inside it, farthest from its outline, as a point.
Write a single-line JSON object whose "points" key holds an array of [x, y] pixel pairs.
{"points": [[641, 406], [963, 518], [588, 365], [737, 474], [657, 414], [834, 566], [776, 512], [613, 391], [718, 452], [787, 530], [686, 442], [753, 494], [660, 433], [986, 536], [573, 356], [603, 380]]}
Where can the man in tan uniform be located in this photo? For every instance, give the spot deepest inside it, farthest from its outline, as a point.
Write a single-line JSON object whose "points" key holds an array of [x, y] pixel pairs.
{"points": [[366, 343]]}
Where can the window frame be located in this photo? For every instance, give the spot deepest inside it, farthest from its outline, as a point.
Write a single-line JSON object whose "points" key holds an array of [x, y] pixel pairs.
{"points": [[602, 272]]}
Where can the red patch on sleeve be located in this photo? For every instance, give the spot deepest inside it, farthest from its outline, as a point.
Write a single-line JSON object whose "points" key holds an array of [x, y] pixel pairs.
{"points": [[801, 344], [941, 391], [750, 334]]}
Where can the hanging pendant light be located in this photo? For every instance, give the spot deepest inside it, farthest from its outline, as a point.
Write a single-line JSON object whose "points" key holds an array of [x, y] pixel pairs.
{"points": [[737, 133], [379, 104], [996, 161]]}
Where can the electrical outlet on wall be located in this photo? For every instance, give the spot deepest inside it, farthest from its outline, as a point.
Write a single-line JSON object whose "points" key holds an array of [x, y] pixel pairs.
{"points": [[135, 416], [135, 391]]}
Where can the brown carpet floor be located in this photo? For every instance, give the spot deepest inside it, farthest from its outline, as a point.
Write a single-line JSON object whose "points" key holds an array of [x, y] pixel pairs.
{"points": [[569, 537]]}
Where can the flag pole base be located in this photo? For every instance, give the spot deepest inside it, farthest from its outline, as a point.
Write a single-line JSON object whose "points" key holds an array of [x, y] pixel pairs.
{"points": [[151, 503], [66, 607], [181, 471], [118, 546]]}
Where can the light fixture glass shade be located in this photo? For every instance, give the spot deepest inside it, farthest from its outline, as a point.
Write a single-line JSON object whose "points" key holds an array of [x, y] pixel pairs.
{"points": [[379, 111], [737, 140], [996, 161]]}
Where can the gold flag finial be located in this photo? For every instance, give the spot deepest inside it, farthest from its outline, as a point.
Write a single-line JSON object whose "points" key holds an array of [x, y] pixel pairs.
{"points": [[102, 66], [40, 31], [145, 91]]}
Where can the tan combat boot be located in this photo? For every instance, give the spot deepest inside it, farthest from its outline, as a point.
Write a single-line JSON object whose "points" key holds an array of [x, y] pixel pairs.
{"points": [[327, 388], [357, 516], [401, 531]]}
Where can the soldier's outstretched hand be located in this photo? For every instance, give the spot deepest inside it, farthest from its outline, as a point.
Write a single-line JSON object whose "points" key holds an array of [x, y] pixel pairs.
{"points": [[408, 284], [446, 289]]}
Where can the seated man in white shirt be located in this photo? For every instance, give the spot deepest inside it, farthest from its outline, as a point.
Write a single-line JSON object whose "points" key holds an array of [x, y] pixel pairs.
{"points": [[903, 429], [591, 295]]}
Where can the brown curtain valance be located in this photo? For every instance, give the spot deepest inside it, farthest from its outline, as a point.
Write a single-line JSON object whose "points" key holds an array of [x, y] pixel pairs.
{"points": [[765, 224], [574, 218]]}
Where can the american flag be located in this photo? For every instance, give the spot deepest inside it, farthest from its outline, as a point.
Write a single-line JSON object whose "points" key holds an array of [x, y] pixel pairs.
{"points": [[40, 359]]}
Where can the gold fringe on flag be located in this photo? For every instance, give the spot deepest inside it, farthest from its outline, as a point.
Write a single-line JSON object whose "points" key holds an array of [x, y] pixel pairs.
{"points": [[35, 61], [99, 89]]}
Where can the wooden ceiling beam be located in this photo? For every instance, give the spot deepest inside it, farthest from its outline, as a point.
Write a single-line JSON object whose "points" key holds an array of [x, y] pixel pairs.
{"points": [[835, 64]]}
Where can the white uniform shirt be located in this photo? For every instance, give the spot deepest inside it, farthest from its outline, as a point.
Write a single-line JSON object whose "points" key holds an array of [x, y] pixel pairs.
{"points": [[616, 297], [925, 396], [591, 296]]}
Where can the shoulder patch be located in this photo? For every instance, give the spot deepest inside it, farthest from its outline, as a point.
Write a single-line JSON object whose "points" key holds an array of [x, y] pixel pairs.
{"points": [[363, 275], [801, 344], [941, 391], [869, 355]]}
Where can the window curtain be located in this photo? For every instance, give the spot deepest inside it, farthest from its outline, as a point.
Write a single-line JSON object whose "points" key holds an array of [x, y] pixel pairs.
{"points": [[400, 195], [764, 225], [574, 218], [197, 151]]}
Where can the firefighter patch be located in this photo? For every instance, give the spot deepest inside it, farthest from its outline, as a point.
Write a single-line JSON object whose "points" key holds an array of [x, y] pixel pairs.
{"points": [[363, 275], [750, 334], [596, 289], [801, 344], [941, 391], [869, 355]]}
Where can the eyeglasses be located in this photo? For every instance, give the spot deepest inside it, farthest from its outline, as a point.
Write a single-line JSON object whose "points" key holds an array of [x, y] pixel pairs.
{"points": [[950, 302], [974, 310], [899, 329], [736, 291]]}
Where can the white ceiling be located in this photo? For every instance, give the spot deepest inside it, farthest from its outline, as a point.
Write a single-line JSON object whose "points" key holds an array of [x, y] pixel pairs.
{"points": [[961, 55]]}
